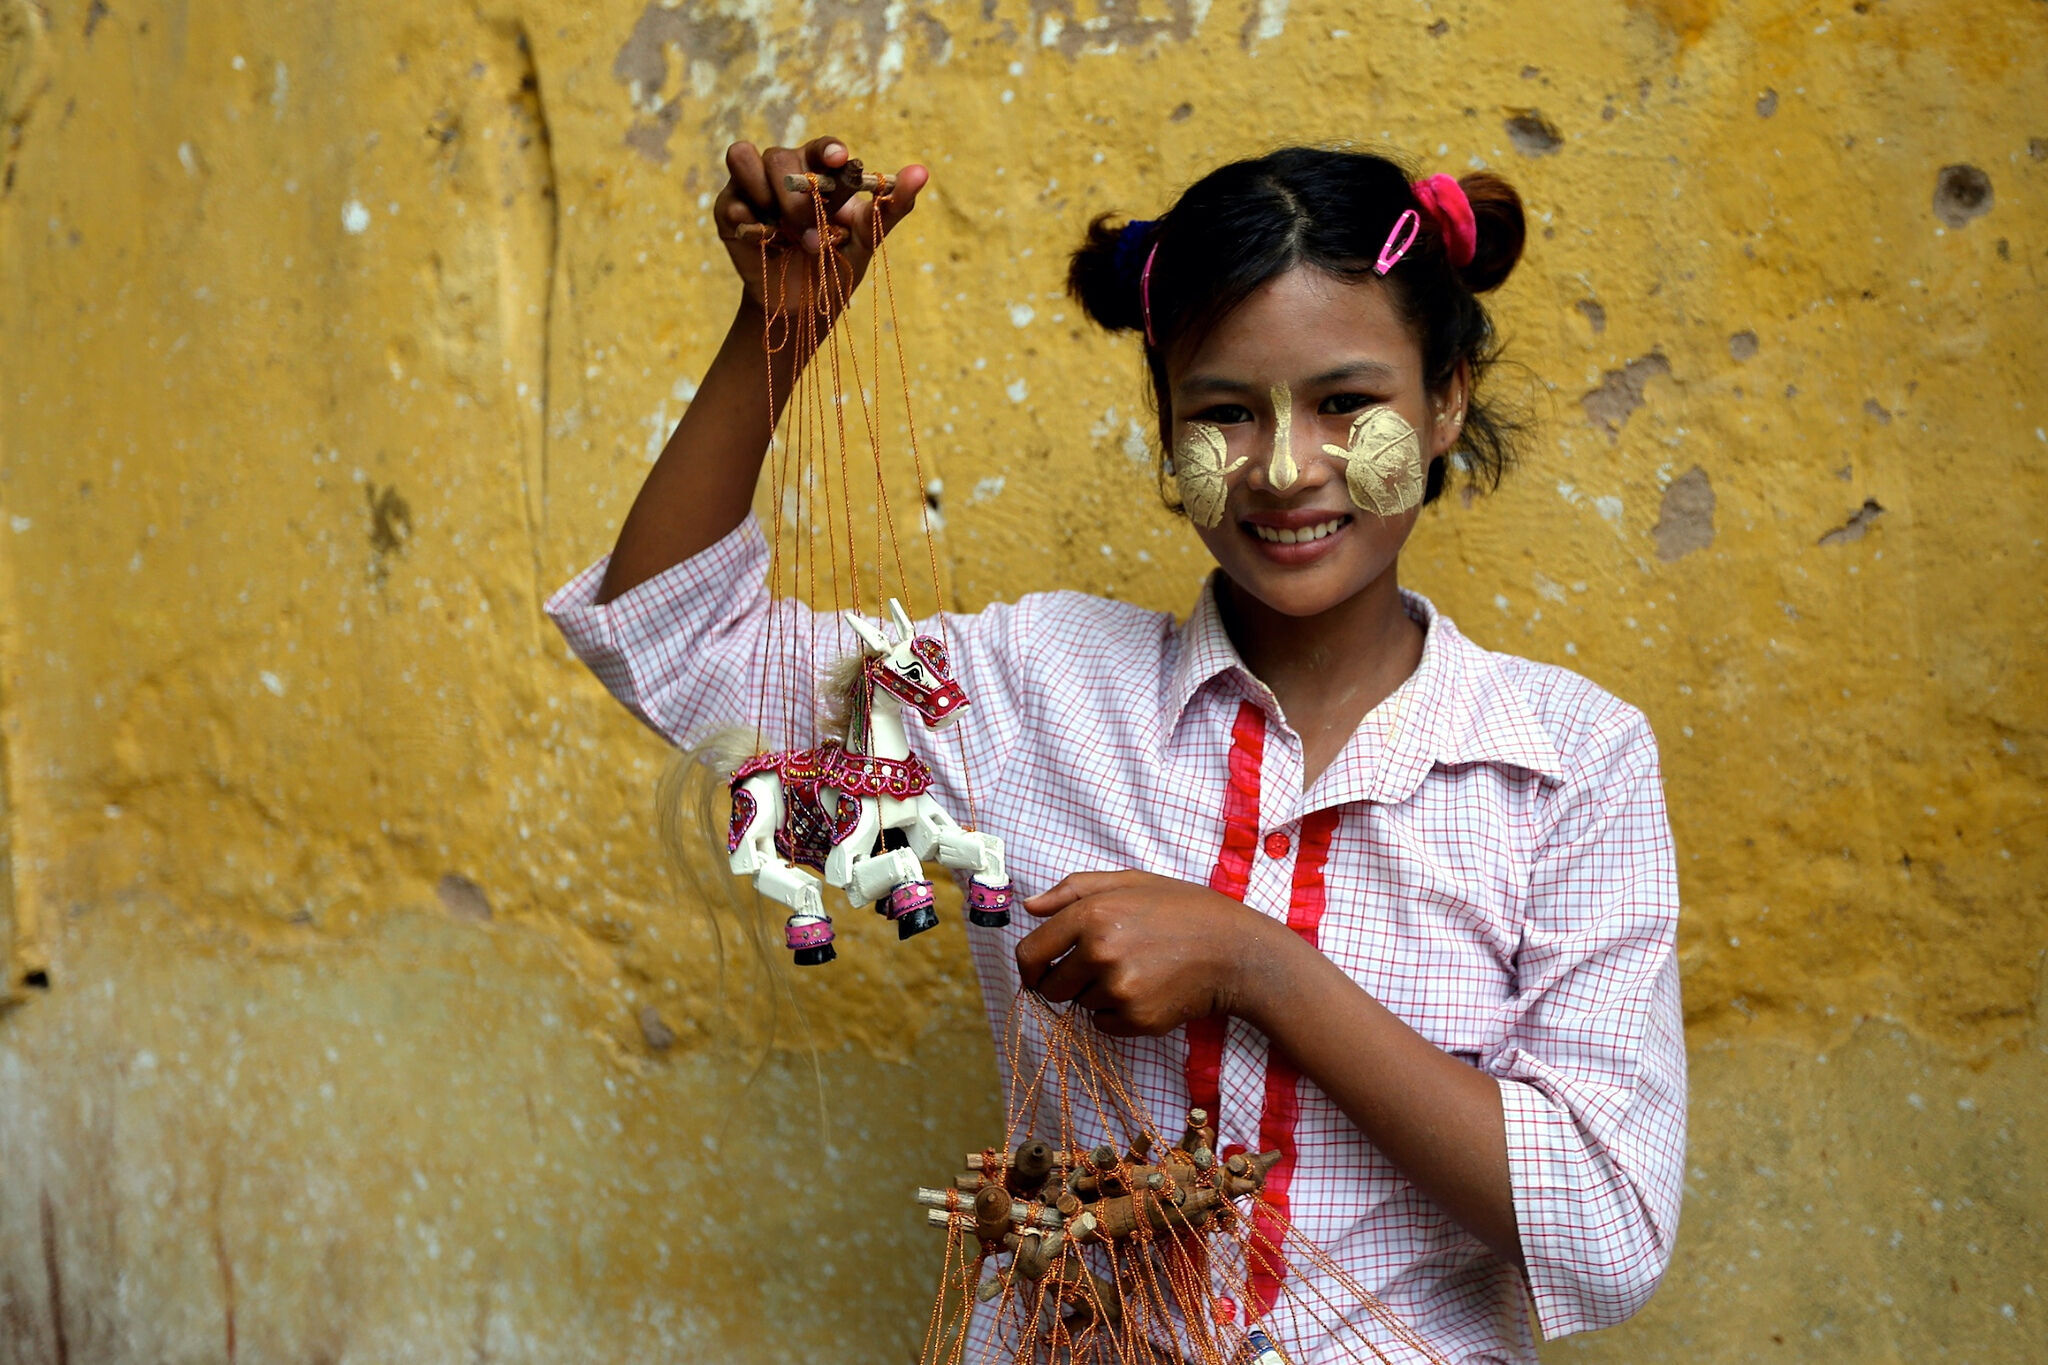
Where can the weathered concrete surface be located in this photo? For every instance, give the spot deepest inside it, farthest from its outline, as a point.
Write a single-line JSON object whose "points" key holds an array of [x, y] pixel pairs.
{"points": [[332, 337]]}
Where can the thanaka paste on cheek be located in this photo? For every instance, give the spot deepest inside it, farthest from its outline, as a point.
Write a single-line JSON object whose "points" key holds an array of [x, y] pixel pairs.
{"points": [[1281, 471], [1198, 465], [1382, 462]]}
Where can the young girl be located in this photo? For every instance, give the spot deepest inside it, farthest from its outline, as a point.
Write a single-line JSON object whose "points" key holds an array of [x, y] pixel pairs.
{"points": [[1394, 905]]}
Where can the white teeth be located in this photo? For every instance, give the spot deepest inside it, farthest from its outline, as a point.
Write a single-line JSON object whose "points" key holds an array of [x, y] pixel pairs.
{"points": [[1281, 536]]}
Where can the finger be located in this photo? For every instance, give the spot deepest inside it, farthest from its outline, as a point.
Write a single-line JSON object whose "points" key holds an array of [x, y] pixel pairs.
{"points": [[750, 180], [793, 205], [1038, 950], [1072, 888], [824, 154], [1115, 1025], [1077, 976], [903, 198], [1099, 997]]}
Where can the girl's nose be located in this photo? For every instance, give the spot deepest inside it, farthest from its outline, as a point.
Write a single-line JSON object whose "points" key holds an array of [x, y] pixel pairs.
{"points": [[1283, 470]]}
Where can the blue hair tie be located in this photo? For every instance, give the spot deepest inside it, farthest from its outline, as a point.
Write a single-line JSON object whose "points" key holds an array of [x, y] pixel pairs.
{"points": [[1130, 248]]}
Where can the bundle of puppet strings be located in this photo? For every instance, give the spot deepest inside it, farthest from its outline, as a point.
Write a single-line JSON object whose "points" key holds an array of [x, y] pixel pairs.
{"points": [[1092, 1237], [838, 798]]}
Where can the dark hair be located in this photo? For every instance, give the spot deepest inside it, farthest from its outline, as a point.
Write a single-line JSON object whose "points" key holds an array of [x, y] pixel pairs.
{"points": [[1245, 223]]}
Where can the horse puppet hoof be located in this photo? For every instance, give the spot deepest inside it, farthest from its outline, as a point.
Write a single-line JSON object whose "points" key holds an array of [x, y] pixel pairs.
{"points": [[810, 940], [909, 907], [989, 906]]}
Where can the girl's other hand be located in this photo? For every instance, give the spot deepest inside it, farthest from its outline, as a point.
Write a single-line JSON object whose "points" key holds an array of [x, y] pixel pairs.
{"points": [[1146, 953], [756, 193]]}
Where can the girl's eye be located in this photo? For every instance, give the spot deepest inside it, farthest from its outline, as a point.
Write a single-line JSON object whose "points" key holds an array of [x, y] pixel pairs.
{"points": [[1224, 415], [1339, 404]]}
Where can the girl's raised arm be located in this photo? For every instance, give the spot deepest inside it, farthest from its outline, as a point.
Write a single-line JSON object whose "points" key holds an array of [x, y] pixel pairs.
{"points": [[703, 484]]}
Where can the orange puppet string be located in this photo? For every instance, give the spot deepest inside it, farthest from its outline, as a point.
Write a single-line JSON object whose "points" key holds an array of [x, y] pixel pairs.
{"points": [[888, 291]]}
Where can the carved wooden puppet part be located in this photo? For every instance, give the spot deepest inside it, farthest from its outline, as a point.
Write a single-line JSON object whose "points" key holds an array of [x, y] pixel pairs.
{"points": [[1382, 462]]}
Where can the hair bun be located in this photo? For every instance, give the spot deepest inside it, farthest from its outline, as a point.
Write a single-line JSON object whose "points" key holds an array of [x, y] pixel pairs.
{"points": [[1500, 231], [1103, 276]]}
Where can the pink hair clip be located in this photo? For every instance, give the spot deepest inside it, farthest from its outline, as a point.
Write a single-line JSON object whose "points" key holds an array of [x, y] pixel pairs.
{"points": [[1145, 293], [1397, 245]]}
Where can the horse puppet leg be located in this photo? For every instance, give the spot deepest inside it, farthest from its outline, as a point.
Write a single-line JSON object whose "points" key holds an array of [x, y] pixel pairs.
{"points": [[892, 878], [936, 835], [757, 812]]}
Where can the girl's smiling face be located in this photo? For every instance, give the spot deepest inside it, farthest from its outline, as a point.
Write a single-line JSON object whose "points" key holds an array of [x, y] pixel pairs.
{"points": [[1281, 376]]}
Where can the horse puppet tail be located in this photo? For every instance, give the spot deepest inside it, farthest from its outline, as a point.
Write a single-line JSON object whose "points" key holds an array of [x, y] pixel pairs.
{"points": [[692, 804]]}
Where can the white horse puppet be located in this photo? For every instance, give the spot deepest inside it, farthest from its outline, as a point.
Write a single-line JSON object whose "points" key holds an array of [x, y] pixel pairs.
{"points": [[858, 808]]}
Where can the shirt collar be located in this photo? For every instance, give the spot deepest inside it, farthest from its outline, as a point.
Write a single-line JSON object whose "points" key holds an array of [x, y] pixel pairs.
{"points": [[1205, 651], [1458, 707]]}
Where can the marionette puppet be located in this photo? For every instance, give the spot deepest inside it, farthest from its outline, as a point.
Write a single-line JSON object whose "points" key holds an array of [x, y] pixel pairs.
{"points": [[854, 812]]}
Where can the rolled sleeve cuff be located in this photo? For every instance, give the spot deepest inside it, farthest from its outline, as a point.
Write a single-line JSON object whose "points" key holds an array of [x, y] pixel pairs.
{"points": [[634, 641], [1590, 1261]]}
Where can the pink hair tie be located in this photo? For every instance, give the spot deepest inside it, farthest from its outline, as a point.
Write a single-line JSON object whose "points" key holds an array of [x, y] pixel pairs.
{"points": [[1445, 200], [1145, 293]]}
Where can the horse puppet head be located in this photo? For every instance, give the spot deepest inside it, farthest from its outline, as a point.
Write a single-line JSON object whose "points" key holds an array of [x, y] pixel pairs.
{"points": [[913, 668]]}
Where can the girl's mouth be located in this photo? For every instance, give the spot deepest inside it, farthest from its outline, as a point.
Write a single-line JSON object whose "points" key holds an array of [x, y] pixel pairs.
{"points": [[1296, 537]]}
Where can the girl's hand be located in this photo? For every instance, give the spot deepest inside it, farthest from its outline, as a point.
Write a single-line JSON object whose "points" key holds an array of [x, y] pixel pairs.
{"points": [[1146, 954], [756, 194]]}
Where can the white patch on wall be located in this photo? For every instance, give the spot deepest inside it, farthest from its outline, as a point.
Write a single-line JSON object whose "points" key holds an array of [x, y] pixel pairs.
{"points": [[1136, 448], [1609, 509], [1268, 20], [986, 489], [354, 217], [1021, 314], [1018, 390], [657, 433]]}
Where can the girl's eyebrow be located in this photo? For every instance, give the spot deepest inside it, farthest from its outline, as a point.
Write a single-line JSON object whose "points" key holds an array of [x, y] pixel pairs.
{"points": [[1358, 369], [1213, 383]]}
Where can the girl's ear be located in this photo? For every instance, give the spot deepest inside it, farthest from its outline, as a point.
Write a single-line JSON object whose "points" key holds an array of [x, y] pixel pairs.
{"points": [[1447, 412]]}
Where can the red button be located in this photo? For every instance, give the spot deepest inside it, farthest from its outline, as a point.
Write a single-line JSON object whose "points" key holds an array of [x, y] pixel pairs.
{"points": [[1276, 845]]}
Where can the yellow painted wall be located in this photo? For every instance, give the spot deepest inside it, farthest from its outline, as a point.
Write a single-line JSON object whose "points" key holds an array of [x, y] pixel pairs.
{"points": [[333, 336]]}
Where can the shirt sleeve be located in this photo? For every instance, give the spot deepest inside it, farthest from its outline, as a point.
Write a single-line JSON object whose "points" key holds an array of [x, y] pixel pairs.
{"points": [[702, 647], [1592, 1065]]}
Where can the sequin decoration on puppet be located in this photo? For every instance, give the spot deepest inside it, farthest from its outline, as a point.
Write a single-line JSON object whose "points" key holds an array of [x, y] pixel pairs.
{"points": [[858, 807], [1198, 467], [1382, 462]]}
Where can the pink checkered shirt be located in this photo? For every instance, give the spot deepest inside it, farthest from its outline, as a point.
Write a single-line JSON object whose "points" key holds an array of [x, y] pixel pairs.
{"points": [[1488, 856]]}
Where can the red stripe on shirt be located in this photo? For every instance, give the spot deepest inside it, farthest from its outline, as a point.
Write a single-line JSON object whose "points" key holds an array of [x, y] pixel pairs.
{"points": [[1233, 872], [1283, 1084]]}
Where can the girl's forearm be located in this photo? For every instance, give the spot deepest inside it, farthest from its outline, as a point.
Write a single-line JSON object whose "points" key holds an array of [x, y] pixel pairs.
{"points": [[1438, 1120], [703, 484]]}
